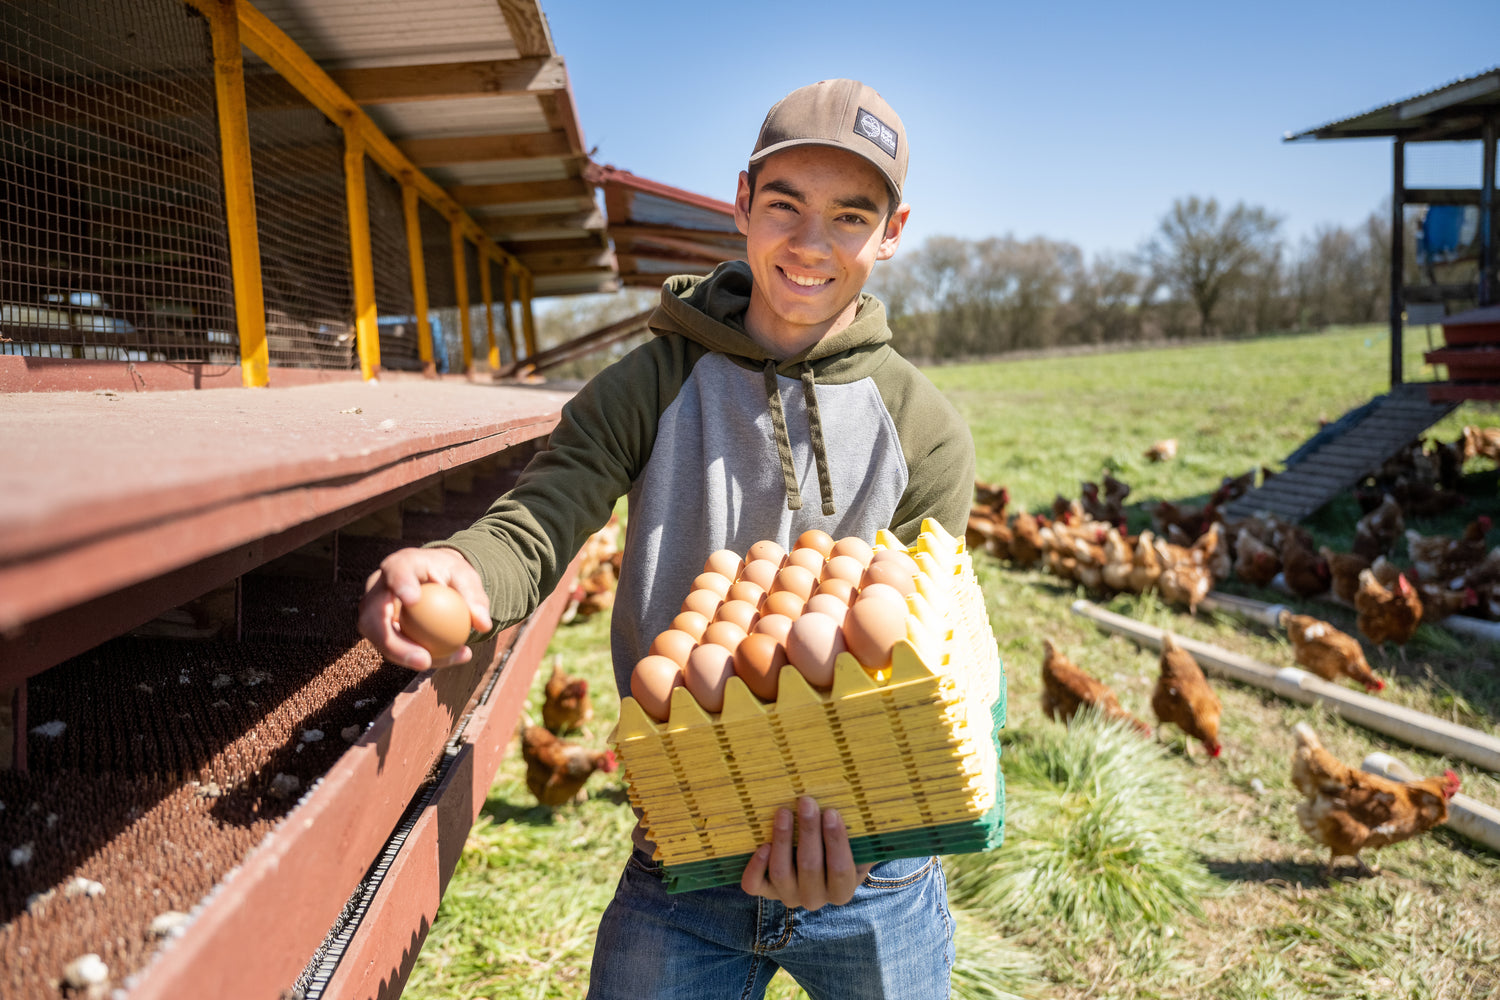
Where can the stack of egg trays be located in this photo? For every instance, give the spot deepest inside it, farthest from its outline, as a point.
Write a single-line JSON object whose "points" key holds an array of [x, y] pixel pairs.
{"points": [[910, 757]]}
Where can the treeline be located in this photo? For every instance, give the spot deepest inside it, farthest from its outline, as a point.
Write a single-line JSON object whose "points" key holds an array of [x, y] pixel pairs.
{"points": [[1206, 271]]}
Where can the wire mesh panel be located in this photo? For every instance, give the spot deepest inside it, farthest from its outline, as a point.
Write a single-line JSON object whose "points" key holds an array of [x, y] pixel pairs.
{"points": [[442, 294], [112, 215], [502, 315], [301, 215], [479, 342], [392, 263]]}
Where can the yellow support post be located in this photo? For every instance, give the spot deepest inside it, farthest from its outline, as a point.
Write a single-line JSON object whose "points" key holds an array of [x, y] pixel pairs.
{"points": [[362, 263], [239, 192], [508, 290], [409, 199], [461, 287], [528, 320], [487, 293]]}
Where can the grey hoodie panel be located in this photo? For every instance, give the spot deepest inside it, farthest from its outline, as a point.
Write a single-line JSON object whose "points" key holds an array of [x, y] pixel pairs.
{"points": [[715, 459]]}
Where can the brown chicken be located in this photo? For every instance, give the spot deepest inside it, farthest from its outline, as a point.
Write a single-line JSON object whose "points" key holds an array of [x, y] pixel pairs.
{"points": [[1440, 559], [1145, 568], [1327, 652], [1185, 576], [1026, 541], [1162, 451], [1183, 697], [1255, 562], [1066, 689], [566, 706], [988, 531], [556, 769], [1305, 572], [1387, 614], [1347, 810], [1119, 560], [598, 572], [1482, 442], [1377, 531], [1343, 570], [992, 496]]}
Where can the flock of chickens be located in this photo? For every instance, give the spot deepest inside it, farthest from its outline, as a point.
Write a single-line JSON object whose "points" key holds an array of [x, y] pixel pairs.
{"points": [[1190, 549]]}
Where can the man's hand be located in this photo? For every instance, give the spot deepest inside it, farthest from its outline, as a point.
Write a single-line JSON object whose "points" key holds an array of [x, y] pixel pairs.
{"points": [[400, 578], [824, 872]]}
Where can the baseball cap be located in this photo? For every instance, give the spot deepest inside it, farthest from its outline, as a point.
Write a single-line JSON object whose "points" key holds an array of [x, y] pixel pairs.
{"points": [[845, 114]]}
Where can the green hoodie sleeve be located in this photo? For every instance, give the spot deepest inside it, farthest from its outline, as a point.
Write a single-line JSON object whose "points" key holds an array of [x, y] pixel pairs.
{"points": [[937, 446], [523, 543]]}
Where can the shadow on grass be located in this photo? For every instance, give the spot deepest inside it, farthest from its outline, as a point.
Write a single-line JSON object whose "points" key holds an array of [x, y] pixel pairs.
{"points": [[1302, 875]]}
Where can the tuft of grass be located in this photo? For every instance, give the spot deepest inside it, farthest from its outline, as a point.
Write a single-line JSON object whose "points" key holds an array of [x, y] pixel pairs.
{"points": [[1096, 835]]}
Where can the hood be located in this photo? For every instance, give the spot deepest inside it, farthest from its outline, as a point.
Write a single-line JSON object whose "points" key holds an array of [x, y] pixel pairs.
{"points": [[710, 311]]}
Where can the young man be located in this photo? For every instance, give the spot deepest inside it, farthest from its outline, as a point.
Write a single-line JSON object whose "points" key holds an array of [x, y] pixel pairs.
{"points": [[768, 404]]}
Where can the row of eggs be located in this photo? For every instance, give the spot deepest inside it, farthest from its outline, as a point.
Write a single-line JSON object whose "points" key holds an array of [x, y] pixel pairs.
{"points": [[750, 617]]}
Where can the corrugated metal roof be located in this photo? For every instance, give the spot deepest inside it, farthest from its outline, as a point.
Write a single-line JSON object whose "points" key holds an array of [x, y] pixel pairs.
{"points": [[476, 95], [1448, 113]]}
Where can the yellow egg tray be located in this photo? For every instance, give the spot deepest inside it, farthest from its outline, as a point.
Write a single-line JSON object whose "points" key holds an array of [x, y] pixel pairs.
{"points": [[909, 755]]}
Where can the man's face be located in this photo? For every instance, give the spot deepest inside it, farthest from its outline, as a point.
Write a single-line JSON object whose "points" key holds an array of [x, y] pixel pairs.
{"points": [[813, 232]]}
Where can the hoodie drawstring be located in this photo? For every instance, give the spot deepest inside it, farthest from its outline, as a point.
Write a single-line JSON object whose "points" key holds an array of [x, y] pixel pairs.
{"points": [[815, 428], [784, 443]]}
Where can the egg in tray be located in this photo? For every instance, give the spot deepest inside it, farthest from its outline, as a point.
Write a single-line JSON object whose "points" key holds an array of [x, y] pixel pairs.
{"points": [[885, 705]]}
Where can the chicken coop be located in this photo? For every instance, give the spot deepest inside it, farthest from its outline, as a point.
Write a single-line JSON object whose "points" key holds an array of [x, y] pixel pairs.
{"points": [[266, 268], [1444, 271]]}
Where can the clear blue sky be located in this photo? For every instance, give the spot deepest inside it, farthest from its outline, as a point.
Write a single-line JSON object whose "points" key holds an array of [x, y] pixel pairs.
{"points": [[1079, 122]]}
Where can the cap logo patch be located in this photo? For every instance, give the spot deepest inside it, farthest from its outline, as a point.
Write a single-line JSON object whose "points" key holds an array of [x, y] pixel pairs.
{"points": [[876, 131]]}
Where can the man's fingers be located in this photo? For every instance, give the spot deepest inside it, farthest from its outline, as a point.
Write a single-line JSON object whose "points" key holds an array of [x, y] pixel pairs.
{"points": [[843, 875], [754, 881], [781, 871], [812, 882]]}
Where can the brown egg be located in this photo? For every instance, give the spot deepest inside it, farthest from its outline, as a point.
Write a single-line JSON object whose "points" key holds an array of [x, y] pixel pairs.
{"points": [[844, 568], [898, 556], [651, 684], [767, 550], [742, 613], [854, 547], [871, 631], [783, 602], [723, 634], [842, 589], [760, 572], [826, 604], [438, 621], [725, 563], [691, 622], [674, 645], [882, 593], [744, 590], [889, 573], [708, 671], [775, 626], [758, 661], [813, 645], [796, 580], [705, 602], [808, 559], [820, 542], [717, 582]]}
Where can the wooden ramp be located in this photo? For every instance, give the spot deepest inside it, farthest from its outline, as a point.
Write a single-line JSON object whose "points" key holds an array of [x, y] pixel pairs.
{"points": [[1343, 453]]}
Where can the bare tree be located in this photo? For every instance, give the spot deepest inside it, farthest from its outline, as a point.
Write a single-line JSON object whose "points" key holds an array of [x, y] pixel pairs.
{"points": [[1200, 252]]}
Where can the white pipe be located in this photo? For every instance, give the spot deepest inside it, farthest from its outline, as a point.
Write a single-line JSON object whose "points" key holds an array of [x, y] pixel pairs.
{"points": [[1405, 724], [1479, 628], [1468, 816]]}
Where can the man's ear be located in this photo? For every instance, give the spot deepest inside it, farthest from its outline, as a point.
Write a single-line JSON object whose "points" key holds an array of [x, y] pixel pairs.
{"points": [[893, 227], [742, 204]]}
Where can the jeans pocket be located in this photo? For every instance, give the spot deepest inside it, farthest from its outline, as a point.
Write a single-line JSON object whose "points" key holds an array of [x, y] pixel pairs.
{"points": [[899, 873], [641, 863]]}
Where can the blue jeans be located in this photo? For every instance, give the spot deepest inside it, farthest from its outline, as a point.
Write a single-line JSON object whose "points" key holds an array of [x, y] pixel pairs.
{"points": [[893, 939]]}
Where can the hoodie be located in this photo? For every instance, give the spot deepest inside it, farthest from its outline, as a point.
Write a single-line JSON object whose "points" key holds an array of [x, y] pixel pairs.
{"points": [[719, 445]]}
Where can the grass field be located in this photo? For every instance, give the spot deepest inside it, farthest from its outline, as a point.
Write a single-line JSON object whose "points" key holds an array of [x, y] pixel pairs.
{"points": [[1130, 869]]}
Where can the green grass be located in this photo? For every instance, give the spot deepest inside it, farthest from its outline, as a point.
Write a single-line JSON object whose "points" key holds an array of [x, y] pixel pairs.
{"points": [[1219, 893]]}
